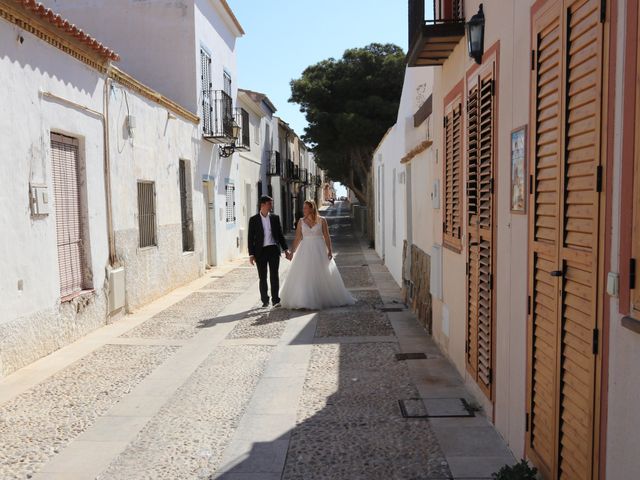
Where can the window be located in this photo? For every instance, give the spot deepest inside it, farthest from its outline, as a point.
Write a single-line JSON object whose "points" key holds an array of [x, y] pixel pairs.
{"points": [[227, 83], [246, 140], [147, 214], [230, 203], [68, 211], [207, 101], [186, 211], [452, 222]]}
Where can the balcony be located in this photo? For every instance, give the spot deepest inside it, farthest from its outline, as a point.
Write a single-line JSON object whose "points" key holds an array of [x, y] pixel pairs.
{"points": [[217, 116], [275, 165], [243, 142], [432, 41], [304, 176], [318, 181]]}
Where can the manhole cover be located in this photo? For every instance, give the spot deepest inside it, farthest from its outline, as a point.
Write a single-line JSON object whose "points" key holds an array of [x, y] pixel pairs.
{"points": [[435, 408], [410, 356]]}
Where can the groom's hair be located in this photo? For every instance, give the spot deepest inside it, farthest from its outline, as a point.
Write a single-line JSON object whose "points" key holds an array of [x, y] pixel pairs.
{"points": [[264, 199]]}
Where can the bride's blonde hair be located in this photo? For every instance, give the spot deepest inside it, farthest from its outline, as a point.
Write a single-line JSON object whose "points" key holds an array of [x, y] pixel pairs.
{"points": [[314, 210]]}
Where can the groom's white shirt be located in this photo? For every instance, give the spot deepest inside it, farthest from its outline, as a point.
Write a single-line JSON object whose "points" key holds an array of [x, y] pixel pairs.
{"points": [[266, 226]]}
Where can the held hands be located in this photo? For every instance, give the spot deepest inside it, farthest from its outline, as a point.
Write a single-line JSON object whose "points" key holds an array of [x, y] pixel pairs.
{"points": [[288, 255]]}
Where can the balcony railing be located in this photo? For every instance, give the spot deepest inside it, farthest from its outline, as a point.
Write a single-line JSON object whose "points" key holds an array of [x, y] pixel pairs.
{"points": [[290, 169], [275, 166], [243, 142], [431, 41], [318, 181], [217, 116], [304, 176]]}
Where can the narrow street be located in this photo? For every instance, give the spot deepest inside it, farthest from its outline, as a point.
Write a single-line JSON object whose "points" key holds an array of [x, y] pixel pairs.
{"points": [[204, 383]]}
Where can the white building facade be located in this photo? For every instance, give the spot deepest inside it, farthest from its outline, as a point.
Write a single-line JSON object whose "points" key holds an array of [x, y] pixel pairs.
{"points": [[68, 249], [193, 60]]}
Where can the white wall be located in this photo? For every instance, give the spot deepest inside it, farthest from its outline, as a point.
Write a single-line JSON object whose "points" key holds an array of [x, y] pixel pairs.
{"points": [[158, 144], [33, 323], [155, 39], [390, 246]]}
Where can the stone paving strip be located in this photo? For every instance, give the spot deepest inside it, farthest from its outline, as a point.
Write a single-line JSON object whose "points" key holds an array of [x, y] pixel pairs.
{"points": [[261, 323], [188, 435], [39, 423], [349, 424]]}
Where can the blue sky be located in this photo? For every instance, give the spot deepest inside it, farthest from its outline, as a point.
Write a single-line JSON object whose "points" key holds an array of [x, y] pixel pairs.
{"points": [[283, 37]]}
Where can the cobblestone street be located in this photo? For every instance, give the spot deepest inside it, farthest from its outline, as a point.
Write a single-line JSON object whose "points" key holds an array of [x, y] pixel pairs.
{"points": [[204, 383]]}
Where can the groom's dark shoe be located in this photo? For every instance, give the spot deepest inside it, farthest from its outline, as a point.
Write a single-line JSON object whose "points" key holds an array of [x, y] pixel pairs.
{"points": [[277, 305], [265, 304]]}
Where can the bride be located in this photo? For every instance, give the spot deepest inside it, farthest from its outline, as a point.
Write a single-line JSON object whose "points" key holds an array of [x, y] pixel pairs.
{"points": [[314, 281]]}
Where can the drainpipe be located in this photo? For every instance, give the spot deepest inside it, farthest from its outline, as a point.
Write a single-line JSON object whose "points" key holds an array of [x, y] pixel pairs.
{"points": [[107, 168]]}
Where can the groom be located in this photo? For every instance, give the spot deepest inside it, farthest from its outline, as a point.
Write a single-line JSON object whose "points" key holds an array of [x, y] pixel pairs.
{"points": [[265, 240]]}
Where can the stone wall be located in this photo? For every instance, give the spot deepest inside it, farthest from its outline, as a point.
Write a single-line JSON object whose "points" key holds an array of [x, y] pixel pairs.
{"points": [[416, 285]]}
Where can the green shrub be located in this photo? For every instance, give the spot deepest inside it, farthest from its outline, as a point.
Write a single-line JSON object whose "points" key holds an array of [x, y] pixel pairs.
{"points": [[519, 471]]}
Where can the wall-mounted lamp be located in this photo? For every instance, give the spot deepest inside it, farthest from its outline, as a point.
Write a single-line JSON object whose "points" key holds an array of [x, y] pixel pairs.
{"points": [[227, 150], [131, 125], [475, 36]]}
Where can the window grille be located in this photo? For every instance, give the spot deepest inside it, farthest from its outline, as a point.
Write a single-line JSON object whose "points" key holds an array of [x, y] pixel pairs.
{"points": [[66, 189], [147, 214], [230, 203], [207, 100], [186, 207]]}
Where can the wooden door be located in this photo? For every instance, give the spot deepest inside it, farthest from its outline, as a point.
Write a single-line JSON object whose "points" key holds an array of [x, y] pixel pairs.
{"points": [[480, 226], [564, 237]]}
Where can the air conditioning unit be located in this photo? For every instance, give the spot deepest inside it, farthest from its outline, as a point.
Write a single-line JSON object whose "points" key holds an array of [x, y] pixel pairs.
{"points": [[116, 289]]}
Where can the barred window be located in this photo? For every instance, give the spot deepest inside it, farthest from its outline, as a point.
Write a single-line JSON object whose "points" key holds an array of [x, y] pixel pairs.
{"points": [[207, 102], [186, 208], [147, 214], [230, 203]]}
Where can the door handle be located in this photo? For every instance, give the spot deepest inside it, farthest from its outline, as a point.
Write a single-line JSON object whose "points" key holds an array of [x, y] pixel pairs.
{"points": [[556, 273]]}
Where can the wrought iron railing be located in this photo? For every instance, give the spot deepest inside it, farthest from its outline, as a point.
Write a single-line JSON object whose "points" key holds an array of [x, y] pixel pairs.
{"points": [[444, 11], [275, 166], [289, 169], [217, 115], [243, 142], [304, 176]]}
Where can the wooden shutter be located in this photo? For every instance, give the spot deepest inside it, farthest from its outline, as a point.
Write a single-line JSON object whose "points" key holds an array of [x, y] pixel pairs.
{"points": [[564, 238], [66, 191], [543, 228], [452, 225], [480, 172], [580, 226], [634, 280]]}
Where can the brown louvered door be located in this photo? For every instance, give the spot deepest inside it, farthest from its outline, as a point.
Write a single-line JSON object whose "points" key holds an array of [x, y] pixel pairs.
{"points": [[452, 224], [580, 227], [480, 198], [565, 237], [544, 225]]}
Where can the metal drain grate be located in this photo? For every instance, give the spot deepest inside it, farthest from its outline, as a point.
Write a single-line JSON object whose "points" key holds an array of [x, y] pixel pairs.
{"points": [[411, 356], [435, 408]]}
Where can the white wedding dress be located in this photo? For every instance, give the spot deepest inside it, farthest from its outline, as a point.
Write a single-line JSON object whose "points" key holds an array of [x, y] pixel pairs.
{"points": [[313, 281]]}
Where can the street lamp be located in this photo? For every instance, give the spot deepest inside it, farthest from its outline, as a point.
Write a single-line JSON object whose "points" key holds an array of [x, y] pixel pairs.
{"points": [[475, 36], [227, 150]]}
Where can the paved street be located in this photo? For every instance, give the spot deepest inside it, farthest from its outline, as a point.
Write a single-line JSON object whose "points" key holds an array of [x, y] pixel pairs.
{"points": [[204, 383]]}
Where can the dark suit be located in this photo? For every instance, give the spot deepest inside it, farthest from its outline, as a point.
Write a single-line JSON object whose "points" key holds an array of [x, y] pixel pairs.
{"points": [[268, 256]]}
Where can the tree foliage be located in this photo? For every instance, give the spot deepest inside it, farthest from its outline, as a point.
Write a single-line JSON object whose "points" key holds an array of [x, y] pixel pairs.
{"points": [[349, 104]]}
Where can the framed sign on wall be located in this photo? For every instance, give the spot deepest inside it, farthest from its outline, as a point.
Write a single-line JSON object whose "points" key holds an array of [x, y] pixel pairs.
{"points": [[518, 170]]}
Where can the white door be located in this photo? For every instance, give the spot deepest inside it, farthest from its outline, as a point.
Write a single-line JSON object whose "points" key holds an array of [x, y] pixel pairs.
{"points": [[210, 212]]}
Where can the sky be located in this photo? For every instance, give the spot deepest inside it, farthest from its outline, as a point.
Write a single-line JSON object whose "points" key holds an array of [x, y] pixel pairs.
{"points": [[283, 37]]}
